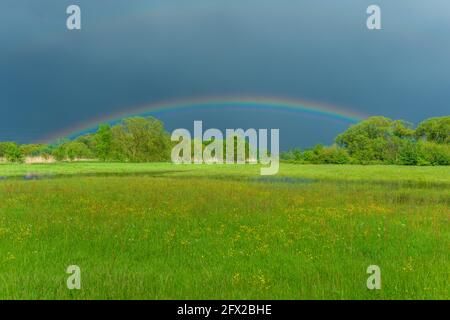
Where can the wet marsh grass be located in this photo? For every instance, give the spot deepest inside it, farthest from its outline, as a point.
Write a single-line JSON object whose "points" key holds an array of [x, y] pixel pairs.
{"points": [[225, 235]]}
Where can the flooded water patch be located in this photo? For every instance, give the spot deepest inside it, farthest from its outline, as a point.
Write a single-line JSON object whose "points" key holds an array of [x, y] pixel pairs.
{"points": [[47, 176], [287, 180]]}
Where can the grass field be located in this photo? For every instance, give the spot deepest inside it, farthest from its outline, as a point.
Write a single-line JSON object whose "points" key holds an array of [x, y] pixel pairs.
{"points": [[161, 231]]}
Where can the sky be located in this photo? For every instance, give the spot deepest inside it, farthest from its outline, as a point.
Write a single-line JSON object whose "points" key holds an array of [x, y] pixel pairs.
{"points": [[135, 53]]}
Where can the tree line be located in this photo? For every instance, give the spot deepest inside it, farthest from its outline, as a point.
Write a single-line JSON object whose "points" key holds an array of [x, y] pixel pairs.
{"points": [[376, 140], [132, 140], [380, 140]]}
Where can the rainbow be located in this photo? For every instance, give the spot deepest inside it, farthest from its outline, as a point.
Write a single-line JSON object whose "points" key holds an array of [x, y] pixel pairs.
{"points": [[277, 104]]}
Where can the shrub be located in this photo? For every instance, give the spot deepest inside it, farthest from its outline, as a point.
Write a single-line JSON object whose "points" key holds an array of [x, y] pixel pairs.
{"points": [[434, 154], [11, 151], [375, 140], [410, 153], [326, 155], [294, 155], [71, 150], [434, 130]]}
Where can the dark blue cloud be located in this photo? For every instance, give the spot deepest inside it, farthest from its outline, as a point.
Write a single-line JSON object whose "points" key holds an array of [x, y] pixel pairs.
{"points": [[136, 52]]}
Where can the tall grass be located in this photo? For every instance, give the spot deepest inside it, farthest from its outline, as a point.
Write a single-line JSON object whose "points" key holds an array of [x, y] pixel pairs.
{"points": [[197, 232]]}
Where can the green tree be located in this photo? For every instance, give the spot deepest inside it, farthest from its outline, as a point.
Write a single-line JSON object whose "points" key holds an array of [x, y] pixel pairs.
{"points": [[295, 155], [410, 153], [59, 152], [237, 142], [103, 140], [90, 140], [140, 140], [77, 150], [32, 150], [326, 155], [11, 152], [376, 139], [72, 150], [434, 154], [3, 147], [434, 130]]}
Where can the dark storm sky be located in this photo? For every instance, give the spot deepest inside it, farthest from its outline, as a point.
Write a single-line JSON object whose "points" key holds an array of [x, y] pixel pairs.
{"points": [[137, 52]]}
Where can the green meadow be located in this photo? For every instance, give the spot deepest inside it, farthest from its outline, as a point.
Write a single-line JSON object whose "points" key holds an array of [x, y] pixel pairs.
{"points": [[164, 231]]}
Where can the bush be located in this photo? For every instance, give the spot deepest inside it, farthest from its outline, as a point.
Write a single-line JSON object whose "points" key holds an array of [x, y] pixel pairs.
{"points": [[59, 152], [11, 152], [434, 154], [72, 150], [140, 140], [77, 150], [375, 140], [294, 155], [434, 130], [32, 150], [410, 153], [326, 155]]}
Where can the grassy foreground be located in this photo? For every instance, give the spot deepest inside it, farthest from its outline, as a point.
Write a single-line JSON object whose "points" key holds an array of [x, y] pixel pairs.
{"points": [[160, 231]]}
